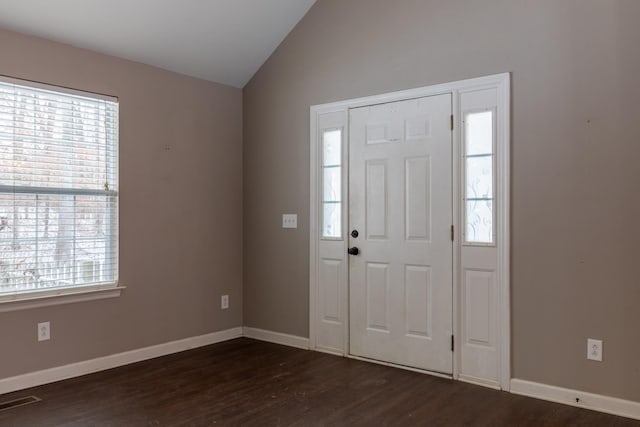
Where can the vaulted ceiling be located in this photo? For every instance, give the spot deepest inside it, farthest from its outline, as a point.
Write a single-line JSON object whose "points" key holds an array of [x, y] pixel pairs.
{"points": [[224, 41]]}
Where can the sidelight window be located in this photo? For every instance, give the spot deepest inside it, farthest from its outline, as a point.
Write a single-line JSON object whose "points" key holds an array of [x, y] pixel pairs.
{"points": [[479, 171], [332, 184]]}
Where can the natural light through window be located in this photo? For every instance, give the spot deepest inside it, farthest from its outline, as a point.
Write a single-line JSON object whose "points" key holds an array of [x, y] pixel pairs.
{"points": [[479, 176], [58, 189], [331, 183]]}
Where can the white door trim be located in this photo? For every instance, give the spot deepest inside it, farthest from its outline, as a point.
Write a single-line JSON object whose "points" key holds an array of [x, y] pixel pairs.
{"points": [[499, 82]]}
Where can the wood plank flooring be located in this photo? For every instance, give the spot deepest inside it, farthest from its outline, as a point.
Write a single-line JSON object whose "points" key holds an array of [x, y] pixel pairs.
{"points": [[245, 382]]}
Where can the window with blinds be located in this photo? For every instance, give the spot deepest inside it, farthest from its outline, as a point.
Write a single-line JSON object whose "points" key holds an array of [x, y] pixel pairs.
{"points": [[58, 189]]}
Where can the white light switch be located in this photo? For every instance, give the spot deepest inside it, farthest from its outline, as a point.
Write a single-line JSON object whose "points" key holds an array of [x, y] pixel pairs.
{"points": [[289, 220]]}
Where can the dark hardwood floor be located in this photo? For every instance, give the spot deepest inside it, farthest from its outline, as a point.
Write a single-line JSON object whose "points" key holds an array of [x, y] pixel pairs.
{"points": [[247, 382]]}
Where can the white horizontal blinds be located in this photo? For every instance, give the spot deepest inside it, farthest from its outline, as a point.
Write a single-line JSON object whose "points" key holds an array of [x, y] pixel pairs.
{"points": [[58, 188]]}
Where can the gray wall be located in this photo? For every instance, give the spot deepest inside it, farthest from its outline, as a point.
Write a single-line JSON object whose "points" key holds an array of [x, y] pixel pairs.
{"points": [[180, 210], [575, 155]]}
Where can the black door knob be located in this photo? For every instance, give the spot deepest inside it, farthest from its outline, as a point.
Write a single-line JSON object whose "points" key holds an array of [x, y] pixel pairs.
{"points": [[354, 233], [353, 251]]}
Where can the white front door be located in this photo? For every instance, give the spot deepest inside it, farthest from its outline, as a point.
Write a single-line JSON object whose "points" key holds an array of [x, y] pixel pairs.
{"points": [[400, 206]]}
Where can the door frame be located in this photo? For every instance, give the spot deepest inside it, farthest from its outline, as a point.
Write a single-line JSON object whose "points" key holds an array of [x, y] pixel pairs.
{"points": [[340, 113]]}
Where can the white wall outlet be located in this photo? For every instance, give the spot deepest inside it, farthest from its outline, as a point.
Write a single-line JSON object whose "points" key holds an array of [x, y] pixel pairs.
{"points": [[289, 220], [44, 331], [594, 349], [224, 302]]}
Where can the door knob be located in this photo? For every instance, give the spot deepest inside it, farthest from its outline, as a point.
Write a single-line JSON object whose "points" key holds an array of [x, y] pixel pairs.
{"points": [[354, 233], [353, 251]]}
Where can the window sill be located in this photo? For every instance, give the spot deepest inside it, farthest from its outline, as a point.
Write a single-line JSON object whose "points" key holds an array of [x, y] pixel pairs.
{"points": [[46, 298]]}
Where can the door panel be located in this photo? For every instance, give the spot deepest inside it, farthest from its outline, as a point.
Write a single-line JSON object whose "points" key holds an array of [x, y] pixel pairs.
{"points": [[330, 292], [417, 207], [376, 196], [377, 293], [400, 201], [418, 300]]}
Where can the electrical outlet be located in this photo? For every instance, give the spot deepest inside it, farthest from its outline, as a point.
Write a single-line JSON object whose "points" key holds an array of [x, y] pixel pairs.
{"points": [[44, 331], [224, 302], [289, 220], [594, 349]]}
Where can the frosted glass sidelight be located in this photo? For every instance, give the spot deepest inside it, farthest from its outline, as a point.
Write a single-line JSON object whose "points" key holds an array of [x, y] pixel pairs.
{"points": [[479, 221], [332, 184], [332, 220], [479, 133], [480, 177], [331, 147]]}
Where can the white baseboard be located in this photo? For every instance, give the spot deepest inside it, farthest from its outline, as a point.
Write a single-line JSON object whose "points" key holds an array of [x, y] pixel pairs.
{"points": [[276, 337], [46, 376], [34, 379], [596, 402]]}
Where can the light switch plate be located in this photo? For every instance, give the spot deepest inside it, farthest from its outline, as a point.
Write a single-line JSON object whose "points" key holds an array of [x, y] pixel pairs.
{"points": [[289, 220]]}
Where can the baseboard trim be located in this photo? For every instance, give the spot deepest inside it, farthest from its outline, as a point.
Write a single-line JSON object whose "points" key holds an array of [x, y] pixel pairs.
{"points": [[596, 402], [59, 373], [276, 337]]}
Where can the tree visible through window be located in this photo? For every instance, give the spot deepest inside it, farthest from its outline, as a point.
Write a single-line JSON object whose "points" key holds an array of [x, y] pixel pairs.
{"points": [[58, 188]]}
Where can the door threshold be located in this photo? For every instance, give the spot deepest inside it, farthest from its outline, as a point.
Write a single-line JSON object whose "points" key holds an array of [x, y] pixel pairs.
{"points": [[406, 368]]}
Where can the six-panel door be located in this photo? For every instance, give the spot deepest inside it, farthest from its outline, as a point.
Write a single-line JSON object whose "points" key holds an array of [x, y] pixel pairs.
{"points": [[400, 203]]}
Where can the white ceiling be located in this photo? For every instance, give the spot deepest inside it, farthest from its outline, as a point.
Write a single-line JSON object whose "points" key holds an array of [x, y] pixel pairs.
{"points": [[224, 41]]}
